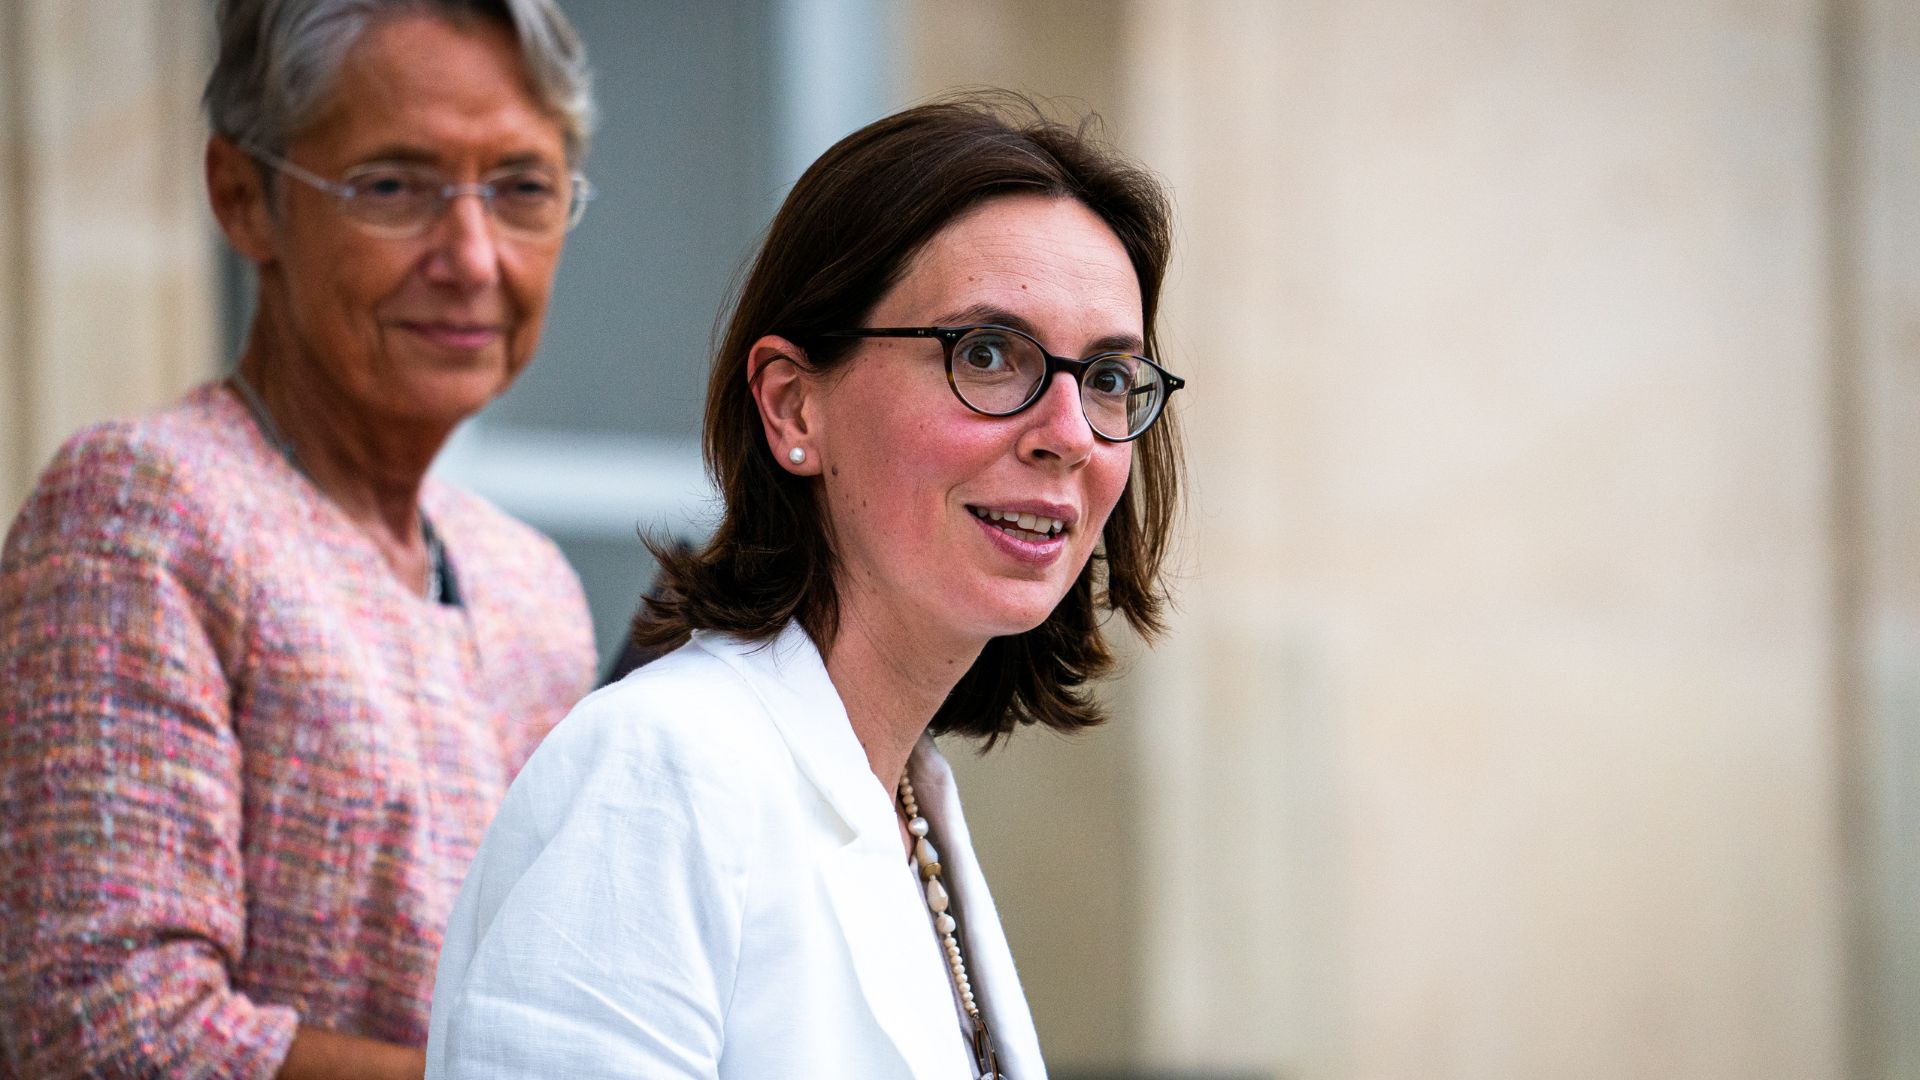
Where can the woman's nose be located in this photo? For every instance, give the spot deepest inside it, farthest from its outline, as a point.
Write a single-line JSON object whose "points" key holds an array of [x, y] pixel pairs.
{"points": [[1058, 427], [467, 248]]}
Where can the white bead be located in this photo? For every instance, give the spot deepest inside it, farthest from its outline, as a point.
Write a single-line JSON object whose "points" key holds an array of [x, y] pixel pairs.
{"points": [[936, 897], [945, 925], [918, 827], [925, 853]]}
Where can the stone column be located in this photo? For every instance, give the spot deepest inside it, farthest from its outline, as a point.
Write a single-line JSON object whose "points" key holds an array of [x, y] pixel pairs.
{"points": [[1544, 699], [1874, 62], [107, 271]]}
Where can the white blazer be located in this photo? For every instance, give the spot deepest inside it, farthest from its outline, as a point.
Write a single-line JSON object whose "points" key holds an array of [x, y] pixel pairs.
{"points": [[697, 875]]}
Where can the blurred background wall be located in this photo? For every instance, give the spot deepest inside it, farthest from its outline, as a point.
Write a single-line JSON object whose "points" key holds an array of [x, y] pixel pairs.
{"points": [[108, 298], [1544, 698]]}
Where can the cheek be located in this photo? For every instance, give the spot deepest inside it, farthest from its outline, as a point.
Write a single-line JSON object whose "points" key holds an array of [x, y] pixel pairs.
{"points": [[1107, 477], [527, 279], [360, 281], [896, 486]]}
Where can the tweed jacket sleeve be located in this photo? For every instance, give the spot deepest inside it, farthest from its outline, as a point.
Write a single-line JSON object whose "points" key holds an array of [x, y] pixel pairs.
{"points": [[122, 898]]}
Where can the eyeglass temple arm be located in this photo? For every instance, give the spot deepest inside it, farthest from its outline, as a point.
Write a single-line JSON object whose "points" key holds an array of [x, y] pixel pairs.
{"points": [[888, 331], [282, 164]]}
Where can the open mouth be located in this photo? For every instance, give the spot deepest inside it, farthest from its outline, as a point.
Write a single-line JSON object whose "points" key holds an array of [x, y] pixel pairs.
{"points": [[1032, 528]]}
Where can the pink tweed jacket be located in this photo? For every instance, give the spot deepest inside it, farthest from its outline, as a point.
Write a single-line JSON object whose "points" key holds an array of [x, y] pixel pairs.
{"points": [[242, 769]]}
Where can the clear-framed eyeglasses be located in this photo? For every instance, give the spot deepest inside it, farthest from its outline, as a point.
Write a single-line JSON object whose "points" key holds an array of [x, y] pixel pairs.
{"points": [[401, 200], [1000, 371]]}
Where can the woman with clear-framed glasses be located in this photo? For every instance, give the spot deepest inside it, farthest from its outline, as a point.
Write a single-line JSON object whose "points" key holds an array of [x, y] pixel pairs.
{"points": [[946, 458], [265, 681]]}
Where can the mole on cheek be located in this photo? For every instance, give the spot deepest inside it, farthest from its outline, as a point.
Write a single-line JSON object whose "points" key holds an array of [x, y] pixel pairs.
{"points": [[834, 469]]}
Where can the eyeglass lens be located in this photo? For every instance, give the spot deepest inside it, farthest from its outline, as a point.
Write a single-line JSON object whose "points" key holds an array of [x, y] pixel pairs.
{"points": [[999, 372], [401, 199]]}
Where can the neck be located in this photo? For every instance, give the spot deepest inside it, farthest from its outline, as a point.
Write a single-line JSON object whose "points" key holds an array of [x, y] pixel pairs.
{"points": [[372, 467], [892, 682]]}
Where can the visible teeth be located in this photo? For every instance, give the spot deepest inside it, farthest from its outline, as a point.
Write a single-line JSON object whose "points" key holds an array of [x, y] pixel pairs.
{"points": [[1033, 523]]}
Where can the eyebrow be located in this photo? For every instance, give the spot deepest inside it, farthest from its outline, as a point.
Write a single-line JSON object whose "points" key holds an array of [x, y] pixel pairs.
{"points": [[987, 313]]}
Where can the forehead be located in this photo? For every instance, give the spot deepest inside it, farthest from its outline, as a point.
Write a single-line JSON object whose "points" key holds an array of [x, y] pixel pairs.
{"points": [[1047, 258], [432, 85]]}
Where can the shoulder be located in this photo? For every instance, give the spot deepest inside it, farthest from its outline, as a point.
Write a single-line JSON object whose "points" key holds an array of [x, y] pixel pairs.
{"points": [[687, 722], [651, 786], [139, 487], [124, 460]]}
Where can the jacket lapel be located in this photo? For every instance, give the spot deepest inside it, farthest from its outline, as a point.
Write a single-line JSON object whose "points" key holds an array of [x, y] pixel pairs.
{"points": [[894, 959], [983, 941], [867, 879]]}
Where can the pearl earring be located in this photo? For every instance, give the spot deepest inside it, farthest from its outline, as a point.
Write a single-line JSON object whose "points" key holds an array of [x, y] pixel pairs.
{"points": [[797, 455]]}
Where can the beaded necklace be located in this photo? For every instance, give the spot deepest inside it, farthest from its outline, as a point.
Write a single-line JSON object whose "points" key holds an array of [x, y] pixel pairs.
{"points": [[985, 1060]]}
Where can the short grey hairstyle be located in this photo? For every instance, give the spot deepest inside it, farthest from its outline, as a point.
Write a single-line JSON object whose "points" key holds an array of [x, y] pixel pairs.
{"points": [[278, 60]]}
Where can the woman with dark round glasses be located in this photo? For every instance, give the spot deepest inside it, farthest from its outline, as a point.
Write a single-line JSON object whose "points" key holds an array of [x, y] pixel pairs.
{"points": [[946, 458]]}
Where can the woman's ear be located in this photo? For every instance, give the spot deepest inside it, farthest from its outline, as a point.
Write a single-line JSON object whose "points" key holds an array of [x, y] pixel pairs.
{"points": [[237, 191], [787, 392]]}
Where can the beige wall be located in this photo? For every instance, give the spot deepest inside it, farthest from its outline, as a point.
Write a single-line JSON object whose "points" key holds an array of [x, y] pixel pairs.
{"points": [[107, 277], [1547, 683]]}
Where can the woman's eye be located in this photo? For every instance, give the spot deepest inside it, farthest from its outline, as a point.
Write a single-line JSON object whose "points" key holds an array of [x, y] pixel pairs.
{"points": [[984, 355], [1109, 379], [526, 187], [388, 186]]}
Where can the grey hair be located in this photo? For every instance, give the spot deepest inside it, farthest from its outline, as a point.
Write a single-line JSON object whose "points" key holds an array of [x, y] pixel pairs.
{"points": [[278, 60]]}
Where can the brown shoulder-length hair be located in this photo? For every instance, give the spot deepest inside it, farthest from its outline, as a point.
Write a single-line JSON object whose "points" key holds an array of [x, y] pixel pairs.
{"points": [[845, 235]]}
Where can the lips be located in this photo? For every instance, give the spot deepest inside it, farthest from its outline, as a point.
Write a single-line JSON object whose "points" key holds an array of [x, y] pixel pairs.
{"points": [[456, 335]]}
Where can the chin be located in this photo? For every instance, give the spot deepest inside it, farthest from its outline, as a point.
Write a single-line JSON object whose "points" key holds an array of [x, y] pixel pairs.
{"points": [[460, 392], [1018, 618]]}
